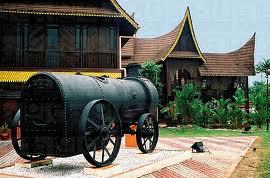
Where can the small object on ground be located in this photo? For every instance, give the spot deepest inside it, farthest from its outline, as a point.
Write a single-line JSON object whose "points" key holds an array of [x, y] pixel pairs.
{"points": [[199, 148], [247, 128], [4, 131]]}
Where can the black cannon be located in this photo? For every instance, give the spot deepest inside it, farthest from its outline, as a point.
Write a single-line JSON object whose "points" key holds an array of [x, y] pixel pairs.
{"points": [[64, 115]]}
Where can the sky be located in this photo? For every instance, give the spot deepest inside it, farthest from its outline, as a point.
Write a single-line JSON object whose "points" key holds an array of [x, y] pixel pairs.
{"points": [[219, 25]]}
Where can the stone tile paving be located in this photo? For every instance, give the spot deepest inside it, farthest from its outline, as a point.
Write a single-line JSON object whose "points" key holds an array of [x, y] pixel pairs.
{"points": [[8, 156], [127, 160], [225, 154]]}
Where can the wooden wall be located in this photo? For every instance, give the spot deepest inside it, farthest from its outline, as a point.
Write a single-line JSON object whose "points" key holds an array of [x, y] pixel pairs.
{"points": [[174, 65], [216, 86], [28, 33]]}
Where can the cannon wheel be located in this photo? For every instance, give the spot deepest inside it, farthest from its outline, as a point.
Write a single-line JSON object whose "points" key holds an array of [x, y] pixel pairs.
{"points": [[16, 140], [101, 132], [147, 133]]}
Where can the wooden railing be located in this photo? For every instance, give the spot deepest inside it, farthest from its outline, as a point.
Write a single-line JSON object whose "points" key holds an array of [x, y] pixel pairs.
{"points": [[56, 59]]}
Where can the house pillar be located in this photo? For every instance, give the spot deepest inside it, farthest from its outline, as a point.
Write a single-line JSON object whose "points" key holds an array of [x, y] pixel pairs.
{"points": [[246, 93]]}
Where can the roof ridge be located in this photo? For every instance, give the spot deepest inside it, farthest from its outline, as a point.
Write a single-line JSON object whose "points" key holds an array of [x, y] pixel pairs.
{"points": [[251, 40]]}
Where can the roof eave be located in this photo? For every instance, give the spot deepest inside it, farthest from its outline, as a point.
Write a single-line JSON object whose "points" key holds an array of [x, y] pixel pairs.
{"points": [[125, 14]]}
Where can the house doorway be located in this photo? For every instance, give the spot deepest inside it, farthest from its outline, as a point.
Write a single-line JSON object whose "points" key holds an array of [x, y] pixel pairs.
{"points": [[182, 77]]}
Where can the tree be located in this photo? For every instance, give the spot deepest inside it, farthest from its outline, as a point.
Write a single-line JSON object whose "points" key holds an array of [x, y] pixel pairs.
{"points": [[259, 100], [151, 70], [264, 67]]}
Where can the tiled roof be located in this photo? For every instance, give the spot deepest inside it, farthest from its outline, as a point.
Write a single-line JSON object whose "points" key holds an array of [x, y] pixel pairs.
{"points": [[142, 49], [57, 9], [128, 49], [50, 9], [236, 63]]}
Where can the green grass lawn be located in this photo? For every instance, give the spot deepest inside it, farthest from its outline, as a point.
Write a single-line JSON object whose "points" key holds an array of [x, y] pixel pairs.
{"points": [[195, 131]]}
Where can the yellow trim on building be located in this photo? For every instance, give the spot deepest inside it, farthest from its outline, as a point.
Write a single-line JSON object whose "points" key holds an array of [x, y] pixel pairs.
{"points": [[124, 14], [187, 17], [59, 13], [23, 76]]}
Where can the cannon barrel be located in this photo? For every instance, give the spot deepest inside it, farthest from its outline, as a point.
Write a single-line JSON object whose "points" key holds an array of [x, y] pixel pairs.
{"points": [[54, 110]]}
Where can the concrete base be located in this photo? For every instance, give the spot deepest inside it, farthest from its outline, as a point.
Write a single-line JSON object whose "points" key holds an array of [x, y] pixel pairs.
{"points": [[107, 171], [117, 171], [31, 164], [147, 169]]}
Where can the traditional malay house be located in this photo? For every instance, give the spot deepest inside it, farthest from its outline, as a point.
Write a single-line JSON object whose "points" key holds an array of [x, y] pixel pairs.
{"points": [[97, 38], [58, 36], [217, 74]]}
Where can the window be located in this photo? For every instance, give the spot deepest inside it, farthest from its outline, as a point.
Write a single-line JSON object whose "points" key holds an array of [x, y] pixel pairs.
{"points": [[52, 55], [22, 43], [26, 36], [112, 38], [81, 38], [52, 37], [18, 42], [78, 38], [85, 38]]}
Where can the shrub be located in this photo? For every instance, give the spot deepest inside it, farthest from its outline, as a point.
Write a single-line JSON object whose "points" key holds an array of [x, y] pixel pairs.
{"points": [[184, 100], [170, 114], [151, 70]]}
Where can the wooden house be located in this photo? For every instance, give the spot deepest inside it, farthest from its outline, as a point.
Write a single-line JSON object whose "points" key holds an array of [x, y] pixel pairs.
{"points": [[217, 74], [58, 36], [97, 38]]}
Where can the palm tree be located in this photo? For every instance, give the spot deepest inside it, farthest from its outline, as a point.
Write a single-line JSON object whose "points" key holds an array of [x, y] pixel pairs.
{"points": [[264, 67]]}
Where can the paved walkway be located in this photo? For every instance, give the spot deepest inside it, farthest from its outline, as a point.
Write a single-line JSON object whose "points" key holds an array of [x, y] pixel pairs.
{"points": [[8, 156], [226, 152]]}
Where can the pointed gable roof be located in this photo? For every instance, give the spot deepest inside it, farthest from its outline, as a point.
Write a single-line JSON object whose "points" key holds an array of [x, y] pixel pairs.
{"points": [[159, 48], [236, 63], [187, 20]]}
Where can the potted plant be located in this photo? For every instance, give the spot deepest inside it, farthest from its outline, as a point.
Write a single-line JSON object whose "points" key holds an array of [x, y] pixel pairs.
{"points": [[4, 131]]}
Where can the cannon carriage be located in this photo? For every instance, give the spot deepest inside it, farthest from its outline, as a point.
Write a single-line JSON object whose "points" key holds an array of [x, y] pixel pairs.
{"points": [[64, 115]]}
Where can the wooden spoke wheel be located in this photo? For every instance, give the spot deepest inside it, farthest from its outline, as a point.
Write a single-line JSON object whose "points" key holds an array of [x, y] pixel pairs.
{"points": [[101, 132], [147, 133], [16, 139]]}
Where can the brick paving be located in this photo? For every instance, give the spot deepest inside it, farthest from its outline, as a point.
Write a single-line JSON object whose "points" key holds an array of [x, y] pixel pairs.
{"points": [[8, 156], [226, 152]]}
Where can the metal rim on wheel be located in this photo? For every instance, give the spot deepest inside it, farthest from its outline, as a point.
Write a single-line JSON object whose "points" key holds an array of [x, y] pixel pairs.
{"points": [[101, 131], [147, 133], [16, 139]]}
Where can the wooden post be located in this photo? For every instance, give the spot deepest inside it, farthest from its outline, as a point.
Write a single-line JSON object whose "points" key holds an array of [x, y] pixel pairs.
{"points": [[246, 96]]}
